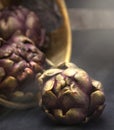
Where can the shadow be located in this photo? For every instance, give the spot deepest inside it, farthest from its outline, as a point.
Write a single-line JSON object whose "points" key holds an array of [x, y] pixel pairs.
{"points": [[35, 118], [96, 124], [12, 113]]}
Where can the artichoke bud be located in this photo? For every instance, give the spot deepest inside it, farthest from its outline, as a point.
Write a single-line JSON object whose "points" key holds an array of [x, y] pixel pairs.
{"points": [[18, 67], [22, 21], [68, 94]]}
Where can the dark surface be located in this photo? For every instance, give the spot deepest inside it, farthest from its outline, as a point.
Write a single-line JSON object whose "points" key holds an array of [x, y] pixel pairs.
{"points": [[93, 50]]}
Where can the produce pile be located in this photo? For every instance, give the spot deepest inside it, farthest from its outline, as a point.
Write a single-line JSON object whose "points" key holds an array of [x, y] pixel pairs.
{"points": [[24, 37], [67, 93]]}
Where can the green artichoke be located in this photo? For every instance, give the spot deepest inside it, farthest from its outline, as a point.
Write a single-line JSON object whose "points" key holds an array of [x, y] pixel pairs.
{"points": [[20, 61], [70, 96], [18, 19]]}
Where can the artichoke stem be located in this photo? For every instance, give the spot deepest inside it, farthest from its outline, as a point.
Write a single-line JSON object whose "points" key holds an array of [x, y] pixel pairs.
{"points": [[18, 106]]}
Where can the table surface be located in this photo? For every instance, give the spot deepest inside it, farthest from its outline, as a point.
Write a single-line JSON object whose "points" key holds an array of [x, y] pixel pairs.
{"points": [[92, 23]]}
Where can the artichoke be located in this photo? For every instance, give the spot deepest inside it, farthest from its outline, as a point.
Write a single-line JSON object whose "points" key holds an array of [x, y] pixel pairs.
{"points": [[18, 19], [69, 95], [20, 61]]}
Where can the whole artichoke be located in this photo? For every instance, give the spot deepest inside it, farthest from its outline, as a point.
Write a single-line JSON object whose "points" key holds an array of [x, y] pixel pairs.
{"points": [[70, 96], [18, 19], [20, 60]]}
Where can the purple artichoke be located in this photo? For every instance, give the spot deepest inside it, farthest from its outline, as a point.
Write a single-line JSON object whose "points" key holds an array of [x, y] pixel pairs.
{"points": [[20, 60], [18, 19], [70, 95]]}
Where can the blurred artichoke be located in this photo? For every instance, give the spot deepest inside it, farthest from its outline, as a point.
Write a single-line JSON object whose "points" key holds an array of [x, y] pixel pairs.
{"points": [[48, 12], [20, 60], [18, 19], [70, 96]]}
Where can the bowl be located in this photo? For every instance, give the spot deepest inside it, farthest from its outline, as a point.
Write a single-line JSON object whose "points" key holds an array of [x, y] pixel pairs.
{"points": [[58, 52], [60, 49]]}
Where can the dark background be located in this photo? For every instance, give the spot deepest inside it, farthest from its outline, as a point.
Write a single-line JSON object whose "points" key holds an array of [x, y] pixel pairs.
{"points": [[93, 50]]}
